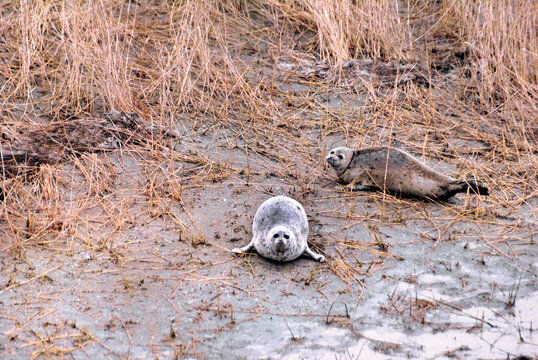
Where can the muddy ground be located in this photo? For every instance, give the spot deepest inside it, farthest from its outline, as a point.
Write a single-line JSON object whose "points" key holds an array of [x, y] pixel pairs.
{"points": [[403, 278], [119, 247]]}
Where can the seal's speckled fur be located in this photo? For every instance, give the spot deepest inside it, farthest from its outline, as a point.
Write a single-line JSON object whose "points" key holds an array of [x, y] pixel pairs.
{"points": [[397, 172], [280, 230]]}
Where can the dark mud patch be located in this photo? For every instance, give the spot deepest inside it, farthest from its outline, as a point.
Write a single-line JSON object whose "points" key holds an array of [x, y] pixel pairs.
{"points": [[50, 144]]}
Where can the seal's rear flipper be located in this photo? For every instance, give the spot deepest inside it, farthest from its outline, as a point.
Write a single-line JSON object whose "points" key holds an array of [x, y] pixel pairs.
{"points": [[477, 187]]}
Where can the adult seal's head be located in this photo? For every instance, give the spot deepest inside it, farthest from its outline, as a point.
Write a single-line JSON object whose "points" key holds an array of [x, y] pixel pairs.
{"points": [[340, 159], [280, 231]]}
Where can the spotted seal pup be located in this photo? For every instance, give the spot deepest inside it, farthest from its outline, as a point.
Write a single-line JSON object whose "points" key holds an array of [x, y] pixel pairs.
{"points": [[280, 230], [397, 172]]}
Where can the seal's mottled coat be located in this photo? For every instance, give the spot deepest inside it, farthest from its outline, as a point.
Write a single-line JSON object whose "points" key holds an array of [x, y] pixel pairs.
{"points": [[280, 231]]}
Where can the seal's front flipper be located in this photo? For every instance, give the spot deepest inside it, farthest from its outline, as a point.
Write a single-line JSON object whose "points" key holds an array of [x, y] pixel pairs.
{"points": [[244, 249], [313, 255], [360, 184], [353, 186]]}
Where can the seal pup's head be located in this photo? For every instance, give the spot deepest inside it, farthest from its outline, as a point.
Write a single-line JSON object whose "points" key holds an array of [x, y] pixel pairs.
{"points": [[339, 158], [283, 243]]}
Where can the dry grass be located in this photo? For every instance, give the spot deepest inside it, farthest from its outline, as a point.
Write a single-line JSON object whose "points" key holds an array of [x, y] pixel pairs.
{"points": [[190, 64], [223, 68], [346, 29], [501, 39], [186, 65]]}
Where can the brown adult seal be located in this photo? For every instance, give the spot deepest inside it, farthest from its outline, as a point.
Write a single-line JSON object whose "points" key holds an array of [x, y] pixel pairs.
{"points": [[397, 172]]}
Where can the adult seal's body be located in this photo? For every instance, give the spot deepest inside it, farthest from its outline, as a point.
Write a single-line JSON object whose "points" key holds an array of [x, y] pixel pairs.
{"points": [[280, 230], [397, 172]]}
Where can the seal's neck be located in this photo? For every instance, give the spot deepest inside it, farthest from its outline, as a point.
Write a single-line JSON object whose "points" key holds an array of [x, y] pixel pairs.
{"points": [[349, 164]]}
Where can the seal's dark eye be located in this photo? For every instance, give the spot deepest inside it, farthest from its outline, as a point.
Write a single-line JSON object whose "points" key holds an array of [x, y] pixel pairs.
{"points": [[340, 157], [286, 236], [275, 236], [332, 152]]}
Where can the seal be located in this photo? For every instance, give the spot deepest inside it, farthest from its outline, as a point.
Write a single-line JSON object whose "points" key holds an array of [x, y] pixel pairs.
{"points": [[280, 230], [397, 172]]}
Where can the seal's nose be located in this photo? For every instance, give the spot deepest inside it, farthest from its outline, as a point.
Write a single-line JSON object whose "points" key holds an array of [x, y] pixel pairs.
{"points": [[280, 246], [329, 159]]}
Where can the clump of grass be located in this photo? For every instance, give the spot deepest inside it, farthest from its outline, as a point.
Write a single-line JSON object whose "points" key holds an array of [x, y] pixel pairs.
{"points": [[346, 29], [192, 69], [501, 37], [74, 57]]}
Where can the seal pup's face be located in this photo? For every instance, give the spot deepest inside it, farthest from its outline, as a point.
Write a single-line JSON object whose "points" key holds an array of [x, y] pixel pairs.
{"points": [[339, 158], [283, 241]]}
